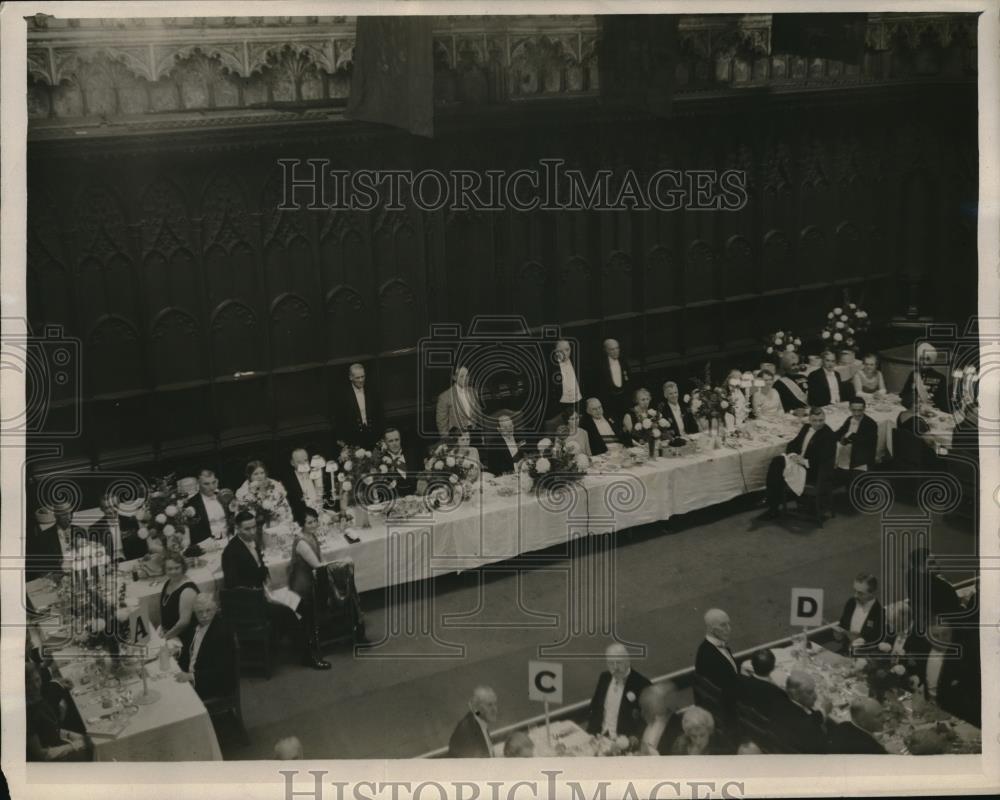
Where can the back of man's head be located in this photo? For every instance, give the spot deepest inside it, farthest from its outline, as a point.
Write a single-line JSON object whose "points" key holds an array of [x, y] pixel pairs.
{"points": [[762, 662]]}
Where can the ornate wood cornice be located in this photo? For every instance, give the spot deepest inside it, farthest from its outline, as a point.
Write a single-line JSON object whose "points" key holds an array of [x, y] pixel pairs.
{"points": [[103, 75]]}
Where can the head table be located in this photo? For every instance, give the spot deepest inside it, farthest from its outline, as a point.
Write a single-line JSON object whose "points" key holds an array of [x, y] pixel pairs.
{"points": [[503, 519]]}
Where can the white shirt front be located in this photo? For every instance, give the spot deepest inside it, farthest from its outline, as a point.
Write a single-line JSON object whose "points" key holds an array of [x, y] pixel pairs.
{"points": [[675, 409], [844, 450], [216, 516], [307, 486], [612, 704], [570, 387], [616, 372], [199, 635], [604, 428], [833, 381], [359, 395], [722, 648], [860, 615]]}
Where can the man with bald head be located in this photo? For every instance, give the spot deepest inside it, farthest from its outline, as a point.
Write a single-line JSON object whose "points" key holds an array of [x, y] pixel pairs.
{"points": [[563, 390], [714, 660], [471, 737], [657, 704], [799, 726], [208, 660], [288, 749], [614, 708], [855, 735], [357, 415], [613, 379]]}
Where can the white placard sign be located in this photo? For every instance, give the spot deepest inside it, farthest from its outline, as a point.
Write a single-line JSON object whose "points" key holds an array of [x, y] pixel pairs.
{"points": [[545, 681], [807, 607]]}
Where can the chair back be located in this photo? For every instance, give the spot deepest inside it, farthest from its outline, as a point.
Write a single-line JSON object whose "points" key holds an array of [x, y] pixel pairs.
{"points": [[756, 726], [244, 607], [708, 695]]}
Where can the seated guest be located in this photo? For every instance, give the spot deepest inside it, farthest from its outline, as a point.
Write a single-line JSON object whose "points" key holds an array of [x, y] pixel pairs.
{"points": [[825, 386], [902, 644], [68, 533], [574, 434], [861, 621], [614, 708], [519, 745], [699, 737], [613, 379], [813, 448], [926, 383], [757, 689], [44, 548], [714, 661], [739, 408], [856, 440], [662, 726], [306, 485], [458, 406], [855, 735], [44, 735], [909, 418], [471, 737], [208, 660], [258, 487], [868, 381], [243, 567], [641, 401], [504, 449], [213, 519], [926, 742], [748, 747], [766, 401], [788, 385], [392, 446], [847, 366], [288, 749], [678, 416], [603, 433], [119, 531], [153, 564], [951, 680], [177, 599], [799, 726], [813, 363], [459, 444]]}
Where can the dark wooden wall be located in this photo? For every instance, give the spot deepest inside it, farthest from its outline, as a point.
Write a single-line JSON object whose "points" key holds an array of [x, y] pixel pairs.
{"points": [[166, 257]]}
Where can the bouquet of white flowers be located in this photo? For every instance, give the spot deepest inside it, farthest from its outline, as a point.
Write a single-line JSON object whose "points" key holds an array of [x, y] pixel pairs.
{"points": [[845, 325]]}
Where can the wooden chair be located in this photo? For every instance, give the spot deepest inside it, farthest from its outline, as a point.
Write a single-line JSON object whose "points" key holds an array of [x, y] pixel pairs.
{"points": [[247, 612], [757, 727], [819, 494], [709, 696], [230, 705]]}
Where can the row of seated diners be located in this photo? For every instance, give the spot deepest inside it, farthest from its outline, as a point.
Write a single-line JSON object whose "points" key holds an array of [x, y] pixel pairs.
{"points": [[737, 715]]}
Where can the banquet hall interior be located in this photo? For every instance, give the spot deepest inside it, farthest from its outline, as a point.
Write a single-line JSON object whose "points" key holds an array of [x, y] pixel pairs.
{"points": [[675, 413]]}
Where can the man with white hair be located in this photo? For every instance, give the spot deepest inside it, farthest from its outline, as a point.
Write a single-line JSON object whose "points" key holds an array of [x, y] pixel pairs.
{"points": [[208, 660], [288, 749], [663, 726], [677, 413], [471, 737], [798, 725], [613, 379], [614, 708], [714, 662], [855, 735], [564, 392], [924, 382]]}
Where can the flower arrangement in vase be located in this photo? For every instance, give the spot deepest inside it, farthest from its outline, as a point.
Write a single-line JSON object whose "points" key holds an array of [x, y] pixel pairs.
{"points": [[845, 325], [649, 430], [554, 465]]}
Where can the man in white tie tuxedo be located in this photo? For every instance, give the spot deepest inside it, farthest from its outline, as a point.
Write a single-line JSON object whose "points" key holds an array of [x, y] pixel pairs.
{"points": [[715, 662], [564, 392], [614, 708], [503, 449], [471, 737], [613, 379]]}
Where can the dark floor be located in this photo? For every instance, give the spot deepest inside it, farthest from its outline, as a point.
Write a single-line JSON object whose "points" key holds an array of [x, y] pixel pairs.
{"points": [[405, 698]]}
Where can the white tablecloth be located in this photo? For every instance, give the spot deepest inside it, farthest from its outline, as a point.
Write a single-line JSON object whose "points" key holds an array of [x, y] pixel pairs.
{"points": [[491, 527], [176, 727]]}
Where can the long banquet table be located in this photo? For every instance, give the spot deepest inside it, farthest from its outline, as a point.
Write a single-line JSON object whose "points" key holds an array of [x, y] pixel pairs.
{"points": [[499, 522], [174, 727]]}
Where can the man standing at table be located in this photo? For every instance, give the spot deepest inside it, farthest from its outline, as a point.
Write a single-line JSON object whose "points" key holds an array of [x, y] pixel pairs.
{"points": [[243, 568], [855, 735], [614, 708], [471, 737], [458, 406], [857, 439], [212, 519], [358, 412], [613, 379], [208, 660], [716, 663], [825, 386], [563, 383], [813, 448]]}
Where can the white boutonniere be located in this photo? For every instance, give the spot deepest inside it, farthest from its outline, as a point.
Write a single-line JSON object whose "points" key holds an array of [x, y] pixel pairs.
{"points": [[630, 696]]}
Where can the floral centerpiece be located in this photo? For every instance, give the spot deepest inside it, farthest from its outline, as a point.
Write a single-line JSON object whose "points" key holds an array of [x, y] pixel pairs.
{"points": [[781, 342], [268, 502], [649, 430], [449, 471], [357, 469], [845, 325], [708, 402], [554, 464], [167, 513]]}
